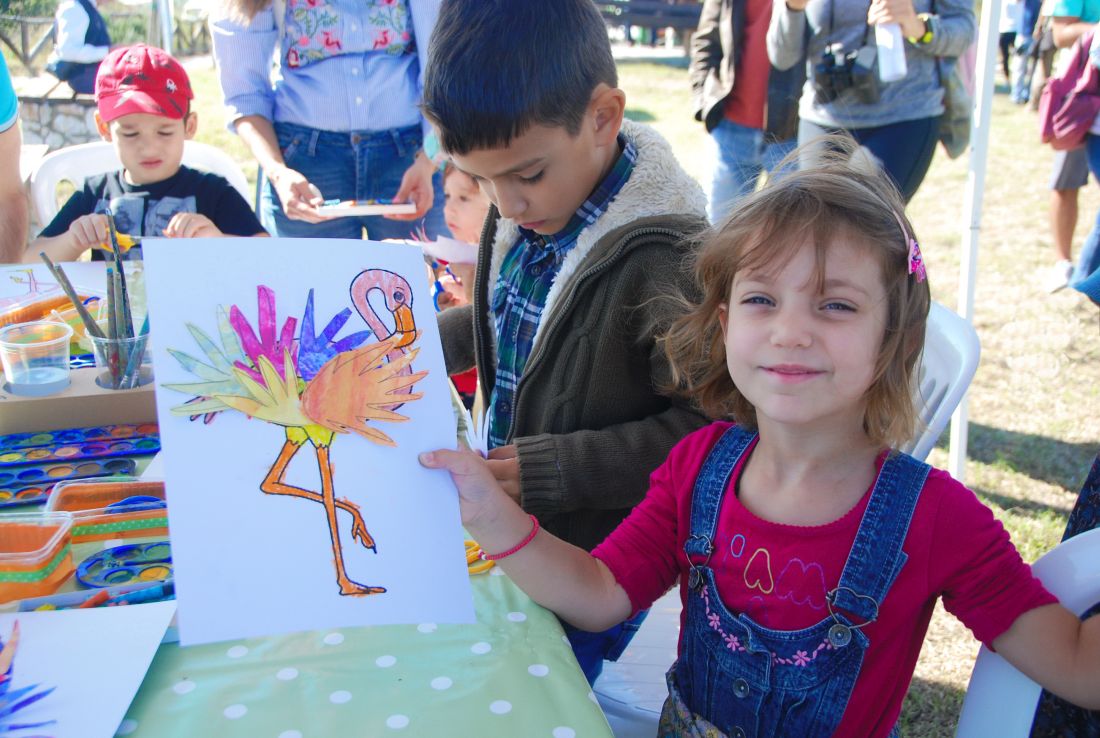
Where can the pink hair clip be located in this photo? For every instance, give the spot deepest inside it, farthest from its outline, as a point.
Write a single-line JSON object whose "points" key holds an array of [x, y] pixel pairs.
{"points": [[916, 261]]}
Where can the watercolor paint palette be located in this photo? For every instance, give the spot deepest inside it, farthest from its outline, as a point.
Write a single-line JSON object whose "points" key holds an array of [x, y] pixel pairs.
{"points": [[72, 452], [31, 484], [17, 441]]}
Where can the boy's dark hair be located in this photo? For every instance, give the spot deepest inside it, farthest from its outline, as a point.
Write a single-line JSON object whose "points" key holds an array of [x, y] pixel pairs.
{"points": [[498, 67]]}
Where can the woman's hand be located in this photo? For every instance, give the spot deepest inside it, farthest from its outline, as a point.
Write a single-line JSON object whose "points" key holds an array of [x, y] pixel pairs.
{"points": [[299, 197], [416, 187], [901, 12]]}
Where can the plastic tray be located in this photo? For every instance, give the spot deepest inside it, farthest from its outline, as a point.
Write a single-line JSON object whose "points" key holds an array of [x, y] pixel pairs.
{"points": [[35, 553]]}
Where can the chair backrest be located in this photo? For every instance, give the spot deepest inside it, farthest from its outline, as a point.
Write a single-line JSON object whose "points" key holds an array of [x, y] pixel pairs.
{"points": [[632, 690], [75, 163], [1001, 701], [950, 358]]}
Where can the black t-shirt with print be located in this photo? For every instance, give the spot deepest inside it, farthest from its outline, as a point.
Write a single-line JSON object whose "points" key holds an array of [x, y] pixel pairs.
{"points": [[145, 210]]}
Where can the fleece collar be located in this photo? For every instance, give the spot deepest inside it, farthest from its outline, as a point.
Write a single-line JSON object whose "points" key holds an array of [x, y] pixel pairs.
{"points": [[657, 186]]}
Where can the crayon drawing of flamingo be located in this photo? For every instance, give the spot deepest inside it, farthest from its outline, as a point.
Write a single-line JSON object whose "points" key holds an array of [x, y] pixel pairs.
{"points": [[315, 387]]}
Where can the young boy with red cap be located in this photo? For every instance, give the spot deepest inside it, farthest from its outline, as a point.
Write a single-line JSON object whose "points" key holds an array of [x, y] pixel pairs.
{"points": [[143, 99]]}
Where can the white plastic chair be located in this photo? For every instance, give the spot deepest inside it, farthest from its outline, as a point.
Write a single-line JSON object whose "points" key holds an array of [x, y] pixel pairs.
{"points": [[632, 690], [75, 163], [951, 352], [1000, 701]]}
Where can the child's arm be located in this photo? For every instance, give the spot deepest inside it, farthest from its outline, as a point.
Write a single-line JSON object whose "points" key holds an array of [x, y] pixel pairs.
{"points": [[87, 231], [555, 574], [1052, 646]]}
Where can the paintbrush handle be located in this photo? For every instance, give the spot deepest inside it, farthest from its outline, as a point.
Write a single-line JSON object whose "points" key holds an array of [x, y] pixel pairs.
{"points": [[59, 274]]}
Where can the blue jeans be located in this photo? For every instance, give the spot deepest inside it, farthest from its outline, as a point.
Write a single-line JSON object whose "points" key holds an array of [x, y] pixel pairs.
{"points": [[591, 649], [350, 166], [746, 678], [904, 150], [743, 155], [1021, 81], [1088, 262]]}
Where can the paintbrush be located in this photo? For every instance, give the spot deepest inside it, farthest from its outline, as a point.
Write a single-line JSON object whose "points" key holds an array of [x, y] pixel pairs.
{"points": [[126, 327], [111, 346], [137, 353], [58, 274]]}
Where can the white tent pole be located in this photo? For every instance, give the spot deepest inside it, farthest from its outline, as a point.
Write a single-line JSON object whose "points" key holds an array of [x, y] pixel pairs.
{"points": [[972, 204], [164, 7]]}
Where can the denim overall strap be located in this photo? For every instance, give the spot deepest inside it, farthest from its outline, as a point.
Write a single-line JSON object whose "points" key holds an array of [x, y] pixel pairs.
{"points": [[876, 557], [97, 34], [710, 486]]}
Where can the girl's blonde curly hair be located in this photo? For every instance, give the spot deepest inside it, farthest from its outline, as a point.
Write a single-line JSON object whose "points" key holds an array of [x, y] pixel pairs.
{"points": [[838, 197]]}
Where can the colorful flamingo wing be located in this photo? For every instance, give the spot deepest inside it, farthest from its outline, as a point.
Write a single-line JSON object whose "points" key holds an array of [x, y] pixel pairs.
{"points": [[314, 350], [13, 700], [357, 387], [273, 399], [217, 376], [266, 344]]}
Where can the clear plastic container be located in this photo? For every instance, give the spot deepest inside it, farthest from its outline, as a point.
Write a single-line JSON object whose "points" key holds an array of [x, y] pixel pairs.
{"points": [[35, 553], [100, 510]]}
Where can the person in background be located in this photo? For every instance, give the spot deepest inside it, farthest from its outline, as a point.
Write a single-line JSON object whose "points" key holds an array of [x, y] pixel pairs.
{"points": [[82, 43], [13, 199], [1010, 18], [896, 123], [465, 210], [338, 116], [143, 106], [749, 107], [1069, 19], [1026, 39]]}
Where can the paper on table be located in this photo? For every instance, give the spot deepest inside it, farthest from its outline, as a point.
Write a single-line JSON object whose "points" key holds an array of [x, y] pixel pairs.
{"points": [[95, 658]]}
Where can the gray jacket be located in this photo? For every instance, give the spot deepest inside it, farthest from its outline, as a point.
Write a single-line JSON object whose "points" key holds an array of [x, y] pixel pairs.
{"points": [[715, 52], [919, 95]]}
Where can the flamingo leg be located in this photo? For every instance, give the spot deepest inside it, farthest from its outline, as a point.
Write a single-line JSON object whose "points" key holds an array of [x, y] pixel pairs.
{"points": [[347, 586], [273, 484]]}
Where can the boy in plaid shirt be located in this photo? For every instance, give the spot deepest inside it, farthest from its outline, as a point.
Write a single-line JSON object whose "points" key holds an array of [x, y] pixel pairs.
{"points": [[588, 228]]}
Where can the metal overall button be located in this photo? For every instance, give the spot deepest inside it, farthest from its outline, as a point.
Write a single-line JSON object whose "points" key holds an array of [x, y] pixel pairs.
{"points": [[840, 633], [737, 732], [695, 572], [740, 688]]}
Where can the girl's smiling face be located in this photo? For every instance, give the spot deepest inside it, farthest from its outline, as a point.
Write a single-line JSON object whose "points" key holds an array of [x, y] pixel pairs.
{"points": [[802, 345]]}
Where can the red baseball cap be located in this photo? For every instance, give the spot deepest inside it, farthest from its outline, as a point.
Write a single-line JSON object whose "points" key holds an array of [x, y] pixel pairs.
{"points": [[141, 79]]}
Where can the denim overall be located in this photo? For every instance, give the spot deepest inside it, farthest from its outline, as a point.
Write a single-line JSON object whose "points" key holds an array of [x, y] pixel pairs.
{"points": [[80, 76], [738, 678]]}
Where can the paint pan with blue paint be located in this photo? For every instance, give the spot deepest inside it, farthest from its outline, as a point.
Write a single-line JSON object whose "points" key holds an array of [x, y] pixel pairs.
{"points": [[23, 485], [138, 562]]}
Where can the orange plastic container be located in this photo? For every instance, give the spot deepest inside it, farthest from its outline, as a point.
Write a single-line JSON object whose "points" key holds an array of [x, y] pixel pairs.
{"points": [[35, 554], [87, 501]]}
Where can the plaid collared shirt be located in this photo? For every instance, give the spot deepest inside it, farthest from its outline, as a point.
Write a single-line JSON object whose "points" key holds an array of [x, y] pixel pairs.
{"points": [[526, 275]]}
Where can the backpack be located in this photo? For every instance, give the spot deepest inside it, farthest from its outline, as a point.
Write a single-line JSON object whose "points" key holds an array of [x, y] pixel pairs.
{"points": [[1071, 101]]}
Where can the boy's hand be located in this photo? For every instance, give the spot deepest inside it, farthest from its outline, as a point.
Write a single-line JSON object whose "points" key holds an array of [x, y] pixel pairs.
{"points": [[480, 497], [504, 464], [416, 187], [300, 199], [191, 225], [88, 231]]}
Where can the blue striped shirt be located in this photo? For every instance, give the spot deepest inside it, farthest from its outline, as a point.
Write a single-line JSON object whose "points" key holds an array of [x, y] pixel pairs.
{"points": [[356, 88], [526, 275]]}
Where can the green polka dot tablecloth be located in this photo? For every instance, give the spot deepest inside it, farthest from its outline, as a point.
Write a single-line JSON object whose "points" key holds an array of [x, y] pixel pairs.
{"points": [[510, 675]]}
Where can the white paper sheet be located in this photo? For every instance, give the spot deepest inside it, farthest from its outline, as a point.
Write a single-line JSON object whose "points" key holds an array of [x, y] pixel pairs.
{"points": [[249, 563], [95, 659]]}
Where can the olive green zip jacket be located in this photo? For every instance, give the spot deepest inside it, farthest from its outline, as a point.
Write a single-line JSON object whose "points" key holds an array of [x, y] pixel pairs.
{"points": [[590, 422]]}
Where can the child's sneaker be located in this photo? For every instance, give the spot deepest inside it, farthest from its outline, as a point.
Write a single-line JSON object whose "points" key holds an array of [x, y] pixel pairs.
{"points": [[1057, 277]]}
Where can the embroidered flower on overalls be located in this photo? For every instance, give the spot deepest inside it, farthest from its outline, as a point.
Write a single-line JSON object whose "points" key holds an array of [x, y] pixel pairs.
{"points": [[801, 658], [733, 643], [714, 621]]}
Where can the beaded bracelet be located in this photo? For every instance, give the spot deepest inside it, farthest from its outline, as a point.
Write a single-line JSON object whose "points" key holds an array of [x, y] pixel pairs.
{"points": [[527, 539]]}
